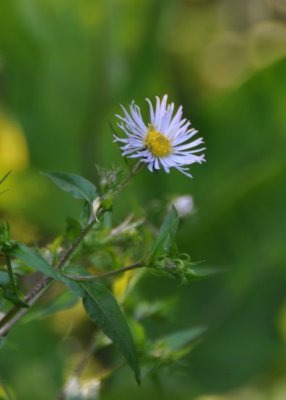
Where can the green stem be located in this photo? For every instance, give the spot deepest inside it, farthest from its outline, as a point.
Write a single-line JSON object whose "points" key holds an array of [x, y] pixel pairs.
{"points": [[69, 252], [134, 170], [11, 273], [139, 264], [40, 288]]}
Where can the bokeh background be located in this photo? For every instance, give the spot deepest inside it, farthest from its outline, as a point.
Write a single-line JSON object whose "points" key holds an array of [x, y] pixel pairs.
{"points": [[65, 65]]}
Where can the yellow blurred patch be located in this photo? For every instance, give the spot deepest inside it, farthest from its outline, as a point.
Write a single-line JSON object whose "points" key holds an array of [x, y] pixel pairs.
{"points": [[3, 394], [64, 321], [90, 14], [23, 230], [13, 146], [120, 285]]}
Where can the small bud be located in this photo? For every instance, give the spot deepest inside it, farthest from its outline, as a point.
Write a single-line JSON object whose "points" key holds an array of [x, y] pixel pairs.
{"points": [[174, 267], [108, 177], [184, 205], [95, 205]]}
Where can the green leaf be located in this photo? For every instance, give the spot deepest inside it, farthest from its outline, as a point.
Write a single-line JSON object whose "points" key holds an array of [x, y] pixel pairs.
{"points": [[9, 288], [201, 272], [70, 283], [14, 297], [4, 278], [169, 349], [73, 229], [165, 241], [103, 309], [159, 309], [85, 213], [5, 242], [76, 185], [176, 341], [33, 259]]}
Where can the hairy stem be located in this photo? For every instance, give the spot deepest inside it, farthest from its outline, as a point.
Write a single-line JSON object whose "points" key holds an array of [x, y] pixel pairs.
{"points": [[39, 289], [16, 313], [139, 264], [134, 170]]}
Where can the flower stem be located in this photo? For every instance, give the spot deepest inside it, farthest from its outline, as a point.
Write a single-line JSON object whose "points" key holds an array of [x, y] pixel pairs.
{"points": [[40, 288], [134, 170], [139, 264], [16, 313]]}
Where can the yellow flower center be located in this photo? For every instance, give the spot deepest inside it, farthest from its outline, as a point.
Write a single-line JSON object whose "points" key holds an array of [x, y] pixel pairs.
{"points": [[157, 143]]}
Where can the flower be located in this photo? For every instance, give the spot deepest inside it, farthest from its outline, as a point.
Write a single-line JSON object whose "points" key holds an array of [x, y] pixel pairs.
{"points": [[164, 141]]}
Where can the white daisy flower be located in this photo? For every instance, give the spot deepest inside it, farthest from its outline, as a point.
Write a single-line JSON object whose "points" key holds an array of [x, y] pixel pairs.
{"points": [[164, 141]]}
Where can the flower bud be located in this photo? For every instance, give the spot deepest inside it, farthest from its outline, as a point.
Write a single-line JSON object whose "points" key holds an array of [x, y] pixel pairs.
{"points": [[184, 205]]}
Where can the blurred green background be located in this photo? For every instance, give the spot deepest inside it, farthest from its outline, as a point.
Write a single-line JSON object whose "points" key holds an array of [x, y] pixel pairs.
{"points": [[65, 65]]}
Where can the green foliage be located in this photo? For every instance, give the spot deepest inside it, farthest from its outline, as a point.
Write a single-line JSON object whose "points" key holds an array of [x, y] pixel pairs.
{"points": [[6, 244], [103, 309], [169, 349], [60, 92], [196, 272], [4, 278], [164, 258], [85, 241], [179, 340], [165, 241], [8, 281], [183, 269], [93, 239], [174, 346], [73, 228], [77, 186], [33, 259], [109, 177], [13, 296]]}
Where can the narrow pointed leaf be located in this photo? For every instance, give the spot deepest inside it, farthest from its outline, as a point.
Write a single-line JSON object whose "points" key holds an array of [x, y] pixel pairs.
{"points": [[76, 185], [201, 272], [180, 339], [103, 309], [4, 278], [33, 259], [74, 286], [165, 241], [14, 297]]}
